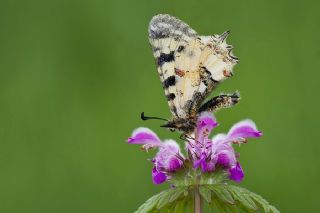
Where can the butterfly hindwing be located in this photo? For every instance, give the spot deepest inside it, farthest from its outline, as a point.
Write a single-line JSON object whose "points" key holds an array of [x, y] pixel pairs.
{"points": [[190, 66]]}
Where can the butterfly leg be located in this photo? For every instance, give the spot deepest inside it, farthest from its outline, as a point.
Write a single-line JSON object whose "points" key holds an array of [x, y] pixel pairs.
{"points": [[186, 137], [183, 137], [220, 101]]}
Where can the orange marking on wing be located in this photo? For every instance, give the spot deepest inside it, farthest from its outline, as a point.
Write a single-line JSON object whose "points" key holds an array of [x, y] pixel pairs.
{"points": [[227, 73], [179, 72]]}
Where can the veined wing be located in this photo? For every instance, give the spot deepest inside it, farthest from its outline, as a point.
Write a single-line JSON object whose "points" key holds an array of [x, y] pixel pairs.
{"points": [[168, 36], [189, 65]]}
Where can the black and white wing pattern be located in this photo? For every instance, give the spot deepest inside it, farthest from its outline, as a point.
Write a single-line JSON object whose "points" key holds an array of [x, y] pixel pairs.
{"points": [[189, 65]]}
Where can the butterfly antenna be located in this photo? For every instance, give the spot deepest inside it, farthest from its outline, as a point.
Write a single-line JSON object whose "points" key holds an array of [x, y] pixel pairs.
{"points": [[143, 117], [224, 35]]}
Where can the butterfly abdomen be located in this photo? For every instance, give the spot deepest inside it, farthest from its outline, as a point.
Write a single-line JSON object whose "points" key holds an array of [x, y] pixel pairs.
{"points": [[183, 125]]}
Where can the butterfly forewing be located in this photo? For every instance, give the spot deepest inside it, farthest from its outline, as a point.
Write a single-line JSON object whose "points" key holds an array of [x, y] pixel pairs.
{"points": [[168, 36], [189, 65]]}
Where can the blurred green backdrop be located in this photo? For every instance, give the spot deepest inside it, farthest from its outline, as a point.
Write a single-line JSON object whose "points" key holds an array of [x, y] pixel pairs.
{"points": [[74, 76]]}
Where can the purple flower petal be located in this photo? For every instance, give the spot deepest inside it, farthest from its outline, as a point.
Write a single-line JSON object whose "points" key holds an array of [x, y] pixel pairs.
{"points": [[223, 160], [205, 166], [225, 155], [209, 166], [174, 164], [171, 146], [198, 163], [236, 173], [219, 138], [158, 177], [169, 157], [207, 119], [205, 124], [222, 150], [243, 129], [145, 136]]}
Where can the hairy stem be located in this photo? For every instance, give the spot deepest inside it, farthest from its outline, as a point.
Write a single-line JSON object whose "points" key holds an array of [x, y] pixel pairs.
{"points": [[197, 201], [197, 196]]}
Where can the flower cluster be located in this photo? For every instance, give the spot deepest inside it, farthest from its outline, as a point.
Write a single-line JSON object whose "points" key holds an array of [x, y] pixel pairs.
{"points": [[204, 153]]}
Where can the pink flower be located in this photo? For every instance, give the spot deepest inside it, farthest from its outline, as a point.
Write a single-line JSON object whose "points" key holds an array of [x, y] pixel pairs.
{"points": [[207, 153], [204, 153], [146, 137], [169, 158], [236, 173]]}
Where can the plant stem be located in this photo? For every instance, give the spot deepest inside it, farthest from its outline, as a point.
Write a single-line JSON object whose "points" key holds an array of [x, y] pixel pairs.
{"points": [[197, 201]]}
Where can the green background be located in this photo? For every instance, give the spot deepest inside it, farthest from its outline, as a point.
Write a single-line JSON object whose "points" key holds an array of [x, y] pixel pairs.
{"points": [[75, 75]]}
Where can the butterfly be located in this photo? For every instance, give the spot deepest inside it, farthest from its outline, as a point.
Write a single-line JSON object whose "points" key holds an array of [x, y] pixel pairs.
{"points": [[190, 67]]}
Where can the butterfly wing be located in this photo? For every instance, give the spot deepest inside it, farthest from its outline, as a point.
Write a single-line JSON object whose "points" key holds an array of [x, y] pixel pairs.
{"points": [[190, 66]]}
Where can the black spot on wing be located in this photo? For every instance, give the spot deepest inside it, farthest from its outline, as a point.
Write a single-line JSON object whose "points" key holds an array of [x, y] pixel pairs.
{"points": [[180, 48], [209, 76], [164, 58], [171, 97], [170, 81]]}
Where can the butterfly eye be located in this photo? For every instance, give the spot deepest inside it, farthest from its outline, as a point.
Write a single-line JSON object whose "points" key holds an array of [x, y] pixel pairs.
{"points": [[172, 130]]}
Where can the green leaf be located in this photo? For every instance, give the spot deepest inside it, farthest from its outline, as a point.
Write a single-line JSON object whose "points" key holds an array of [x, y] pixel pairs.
{"points": [[261, 202], [185, 177], [163, 201], [221, 191], [190, 205], [243, 197], [217, 177], [232, 208], [205, 193], [177, 193], [179, 207], [226, 198], [229, 198], [273, 209], [148, 206], [221, 207]]}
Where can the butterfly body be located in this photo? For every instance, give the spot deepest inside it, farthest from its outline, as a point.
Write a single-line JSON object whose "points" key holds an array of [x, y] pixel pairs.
{"points": [[190, 67]]}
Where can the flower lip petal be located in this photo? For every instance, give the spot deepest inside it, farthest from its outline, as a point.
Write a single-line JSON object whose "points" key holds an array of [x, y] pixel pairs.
{"points": [[174, 164], [206, 119], [206, 122], [223, 159], [158, 177], [144, 136], [244, 129], [236, 173], [169, 157]]}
